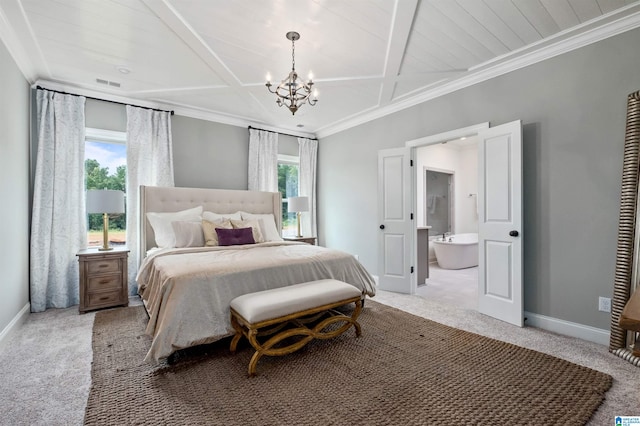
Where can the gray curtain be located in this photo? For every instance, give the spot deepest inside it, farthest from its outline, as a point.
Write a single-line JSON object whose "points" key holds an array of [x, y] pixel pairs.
{"points": [[149, 162], [58, 223], [263, 161]]}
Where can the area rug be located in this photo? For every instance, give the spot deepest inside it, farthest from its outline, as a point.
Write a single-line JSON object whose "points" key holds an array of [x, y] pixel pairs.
{"points": [[403, 370]]}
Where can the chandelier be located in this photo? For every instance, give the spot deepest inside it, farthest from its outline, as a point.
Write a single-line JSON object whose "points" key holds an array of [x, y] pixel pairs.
{"points": [[292, 92]]}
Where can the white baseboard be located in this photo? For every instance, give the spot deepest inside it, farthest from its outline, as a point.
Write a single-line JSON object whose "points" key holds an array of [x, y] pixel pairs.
{"points": [[572, 329], [15, 323]]}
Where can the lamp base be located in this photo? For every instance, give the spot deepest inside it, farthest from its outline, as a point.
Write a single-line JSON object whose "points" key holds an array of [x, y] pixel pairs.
{"points": [[299, 235], [105, 233]]}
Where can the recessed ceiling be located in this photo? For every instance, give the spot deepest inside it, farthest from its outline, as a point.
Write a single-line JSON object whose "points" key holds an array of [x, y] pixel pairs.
{"points": [[209, 58]]}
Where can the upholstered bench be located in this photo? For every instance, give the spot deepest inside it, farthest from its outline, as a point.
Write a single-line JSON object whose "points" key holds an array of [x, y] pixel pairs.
{"points": [[630, 318], [308, 308]]}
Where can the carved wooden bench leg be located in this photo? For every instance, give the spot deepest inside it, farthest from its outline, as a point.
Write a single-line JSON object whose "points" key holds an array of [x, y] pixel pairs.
{"points": [[253, 331]]}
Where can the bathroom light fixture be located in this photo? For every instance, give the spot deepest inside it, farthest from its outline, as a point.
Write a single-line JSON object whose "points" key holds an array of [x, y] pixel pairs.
{"points": [[292, 92]]}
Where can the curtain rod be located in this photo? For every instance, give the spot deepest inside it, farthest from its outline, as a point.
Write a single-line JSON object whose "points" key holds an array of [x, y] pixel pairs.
{"points": [[103, 100], [280, 133]]}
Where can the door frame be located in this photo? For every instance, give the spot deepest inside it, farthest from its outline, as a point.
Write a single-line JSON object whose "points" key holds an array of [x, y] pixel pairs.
{"points": [[452, 207], [462, 132]]}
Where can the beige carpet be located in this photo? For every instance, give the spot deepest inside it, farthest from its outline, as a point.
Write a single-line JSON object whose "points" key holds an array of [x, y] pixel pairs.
{"points": [[404, 370]]}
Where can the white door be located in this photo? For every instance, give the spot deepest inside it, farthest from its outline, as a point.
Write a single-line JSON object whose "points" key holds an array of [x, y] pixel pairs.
{"points": [[394, 218], [500, 222]]}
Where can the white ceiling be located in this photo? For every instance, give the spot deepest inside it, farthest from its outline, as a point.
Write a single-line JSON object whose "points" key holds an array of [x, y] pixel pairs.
{"points": [[209, 58]]}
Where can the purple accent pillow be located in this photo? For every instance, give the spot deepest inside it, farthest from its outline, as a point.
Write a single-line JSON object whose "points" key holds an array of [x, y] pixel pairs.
{"points": [[235, 237]]}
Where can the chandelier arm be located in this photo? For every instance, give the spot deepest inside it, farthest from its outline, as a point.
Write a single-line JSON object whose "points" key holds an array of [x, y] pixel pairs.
{"points": [[292, 91]]}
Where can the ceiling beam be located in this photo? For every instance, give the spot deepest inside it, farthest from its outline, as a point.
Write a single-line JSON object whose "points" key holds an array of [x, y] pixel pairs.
{"points": [[19, 39], [176, 23], [403, 15]]}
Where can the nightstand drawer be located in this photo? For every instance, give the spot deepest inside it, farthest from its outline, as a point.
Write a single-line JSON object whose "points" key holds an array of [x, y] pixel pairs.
{"points": [[107, 298], [103, 266], [104, 283]]}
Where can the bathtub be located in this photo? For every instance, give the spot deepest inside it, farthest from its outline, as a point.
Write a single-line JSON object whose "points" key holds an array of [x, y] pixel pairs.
{"points": [[459, 253]]}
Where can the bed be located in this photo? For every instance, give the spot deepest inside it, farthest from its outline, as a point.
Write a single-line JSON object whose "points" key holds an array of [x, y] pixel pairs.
{"points": [[187, 289]]}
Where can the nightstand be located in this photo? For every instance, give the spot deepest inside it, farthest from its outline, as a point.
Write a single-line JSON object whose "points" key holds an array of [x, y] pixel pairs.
{"points": [[308, 240], [103, 279]]}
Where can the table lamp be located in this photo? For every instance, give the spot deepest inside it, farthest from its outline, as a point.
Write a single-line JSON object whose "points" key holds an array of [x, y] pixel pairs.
{"points": [[105, 201], [297, 205]]}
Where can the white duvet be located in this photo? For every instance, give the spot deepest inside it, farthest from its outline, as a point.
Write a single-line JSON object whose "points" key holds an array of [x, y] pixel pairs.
{"points": [[187, 291]]}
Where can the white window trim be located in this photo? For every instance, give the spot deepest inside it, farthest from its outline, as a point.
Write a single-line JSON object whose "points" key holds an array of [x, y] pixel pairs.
{"points": [[103, 135], [288, 159]]}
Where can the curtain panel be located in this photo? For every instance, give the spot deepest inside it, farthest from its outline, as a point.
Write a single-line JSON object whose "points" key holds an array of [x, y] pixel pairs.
{"points": [[308, 151], [58, 221], [263, 161], [149, 162]]}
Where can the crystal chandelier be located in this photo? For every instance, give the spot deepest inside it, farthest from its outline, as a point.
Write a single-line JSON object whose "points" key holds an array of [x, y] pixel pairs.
{"points": [[292, 92]]}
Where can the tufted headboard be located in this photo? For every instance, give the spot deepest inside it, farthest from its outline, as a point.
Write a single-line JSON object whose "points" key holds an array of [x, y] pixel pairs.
{"points": [[173, 199]]}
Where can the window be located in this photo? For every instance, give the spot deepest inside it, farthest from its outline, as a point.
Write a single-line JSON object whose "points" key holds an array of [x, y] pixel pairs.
{"points": [[105, 167], [288, 186]]}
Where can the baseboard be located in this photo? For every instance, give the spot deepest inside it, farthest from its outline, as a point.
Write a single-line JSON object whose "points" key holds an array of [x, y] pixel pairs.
{"points": [[567, 328], [20, 317]]}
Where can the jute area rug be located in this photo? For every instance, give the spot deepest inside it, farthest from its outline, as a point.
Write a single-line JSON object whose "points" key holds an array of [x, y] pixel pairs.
{"points": [[403, 370]]}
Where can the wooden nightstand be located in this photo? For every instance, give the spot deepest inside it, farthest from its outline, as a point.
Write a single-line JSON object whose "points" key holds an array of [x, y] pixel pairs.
{"points": [[103, 279], [308, 240]]}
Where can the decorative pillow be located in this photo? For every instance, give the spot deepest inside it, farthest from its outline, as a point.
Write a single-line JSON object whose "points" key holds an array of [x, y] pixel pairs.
{"points": [[188, 234], [235, 237], [253, 224], [209, 230], [161, 224], [215, 217], [267, 225]]}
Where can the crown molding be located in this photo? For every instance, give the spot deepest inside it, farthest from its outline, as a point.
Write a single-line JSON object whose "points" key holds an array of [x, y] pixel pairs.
{"points": [[178, 109], [546, 49]]}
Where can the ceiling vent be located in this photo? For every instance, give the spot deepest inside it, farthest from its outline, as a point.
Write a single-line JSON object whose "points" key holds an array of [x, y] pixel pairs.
{"points": [[107, 82]]}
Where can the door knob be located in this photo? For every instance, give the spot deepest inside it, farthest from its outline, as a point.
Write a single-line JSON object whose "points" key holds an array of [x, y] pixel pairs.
{"points": [[381, 226], [514, 233]]}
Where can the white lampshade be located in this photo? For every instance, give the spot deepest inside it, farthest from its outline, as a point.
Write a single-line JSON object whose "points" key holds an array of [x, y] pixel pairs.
{"points": [[105, 201], [298, 204]]}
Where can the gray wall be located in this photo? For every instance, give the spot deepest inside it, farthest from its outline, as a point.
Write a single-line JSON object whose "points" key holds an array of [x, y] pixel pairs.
{"points": [[205, 154], [573, 110], [14, 189]]}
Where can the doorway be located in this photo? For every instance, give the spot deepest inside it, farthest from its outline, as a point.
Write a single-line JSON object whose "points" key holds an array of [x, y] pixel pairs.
{"points": [[499, 218], [448, 208]]}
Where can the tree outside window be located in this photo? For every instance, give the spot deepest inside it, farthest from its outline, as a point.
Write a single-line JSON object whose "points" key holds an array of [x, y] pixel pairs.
{"points": [[288, 187], [105, 168]]}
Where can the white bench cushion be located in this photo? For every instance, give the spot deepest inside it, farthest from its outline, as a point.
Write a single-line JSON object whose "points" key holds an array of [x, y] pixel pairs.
{"points": [[278, 302]]}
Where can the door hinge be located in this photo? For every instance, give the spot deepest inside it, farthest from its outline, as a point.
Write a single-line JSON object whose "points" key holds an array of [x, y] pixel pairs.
{"points": [[411, 163], [411, 216], [412, 269]]}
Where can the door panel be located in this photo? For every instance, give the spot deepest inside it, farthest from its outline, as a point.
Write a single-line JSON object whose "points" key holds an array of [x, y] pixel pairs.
{"points": [[394, 216], [500, 213]]}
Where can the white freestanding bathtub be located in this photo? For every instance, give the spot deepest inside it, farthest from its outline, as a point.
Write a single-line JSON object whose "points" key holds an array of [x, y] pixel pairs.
{"points": [[457, 251]]}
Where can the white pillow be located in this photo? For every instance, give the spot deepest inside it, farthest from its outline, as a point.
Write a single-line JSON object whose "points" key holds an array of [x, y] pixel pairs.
{"points": [[255, 228], [161, 224], [267, 225], [188, 234], [216, 217]]}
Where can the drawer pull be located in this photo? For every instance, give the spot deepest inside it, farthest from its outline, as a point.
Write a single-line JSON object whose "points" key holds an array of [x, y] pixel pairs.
{"points": [[104, 281], [104, 265], [104, 298]]}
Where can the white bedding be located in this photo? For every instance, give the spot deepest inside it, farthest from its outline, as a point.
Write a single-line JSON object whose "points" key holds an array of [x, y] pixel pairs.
{"points": [[187, 291]]}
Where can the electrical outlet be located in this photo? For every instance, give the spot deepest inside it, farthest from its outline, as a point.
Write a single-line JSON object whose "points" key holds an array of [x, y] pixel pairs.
{"points": [[604, 304]]}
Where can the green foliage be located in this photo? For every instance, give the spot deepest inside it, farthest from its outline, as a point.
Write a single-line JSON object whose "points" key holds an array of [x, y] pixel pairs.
{"points": [[97, 177], [288, 187]]}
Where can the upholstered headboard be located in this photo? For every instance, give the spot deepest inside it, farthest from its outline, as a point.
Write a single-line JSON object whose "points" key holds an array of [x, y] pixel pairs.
{"points": [[173, 199]]}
